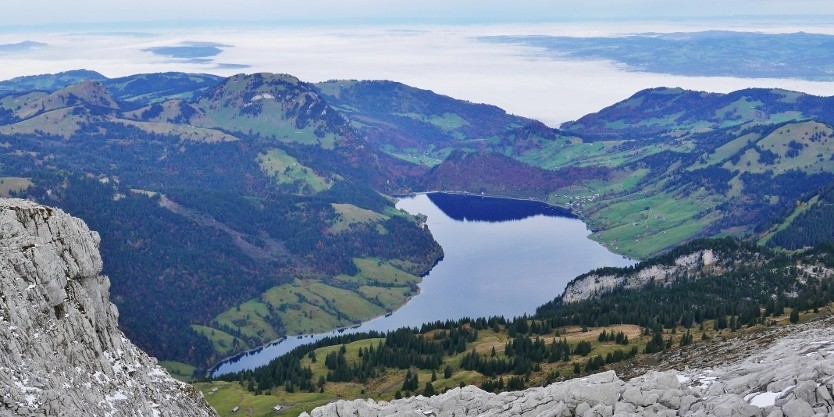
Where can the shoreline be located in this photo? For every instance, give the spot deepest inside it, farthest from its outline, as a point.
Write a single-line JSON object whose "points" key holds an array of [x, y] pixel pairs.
{"points": [[467, 193], [588, 222], [336, 331], [211, 371]]}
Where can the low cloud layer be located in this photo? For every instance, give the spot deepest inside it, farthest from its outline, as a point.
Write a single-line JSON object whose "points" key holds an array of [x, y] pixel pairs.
{"points": [[450, 60]]}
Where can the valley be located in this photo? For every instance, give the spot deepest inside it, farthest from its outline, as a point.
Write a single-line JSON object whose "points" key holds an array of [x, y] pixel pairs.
{"points": [[437, 209], [501, 257], [235, 211]]}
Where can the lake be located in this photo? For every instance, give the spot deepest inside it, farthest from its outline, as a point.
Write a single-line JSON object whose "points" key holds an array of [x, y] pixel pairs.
{"points": [[501, 257]]}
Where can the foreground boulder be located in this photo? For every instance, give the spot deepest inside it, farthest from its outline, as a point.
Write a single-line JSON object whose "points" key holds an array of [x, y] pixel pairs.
{"points": [[792, 377], [61, 351]]}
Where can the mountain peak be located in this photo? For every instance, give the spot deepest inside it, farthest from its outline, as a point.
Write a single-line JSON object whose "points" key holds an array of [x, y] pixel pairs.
{"points": [[286, 108], [59, 112], [243, 89], [88, 93], [49, 82], [653, 112]]}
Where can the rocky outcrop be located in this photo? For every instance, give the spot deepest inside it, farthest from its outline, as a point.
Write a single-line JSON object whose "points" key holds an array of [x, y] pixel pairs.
{"points": [[61, 351], [793, 377], [700, 263]]}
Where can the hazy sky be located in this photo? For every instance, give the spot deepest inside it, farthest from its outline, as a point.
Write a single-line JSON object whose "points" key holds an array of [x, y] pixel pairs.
{"points": [[429, 44], [62, 12]]}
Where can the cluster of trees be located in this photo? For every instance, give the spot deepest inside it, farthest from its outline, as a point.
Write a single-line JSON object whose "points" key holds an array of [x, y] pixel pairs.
{"points": [[287, 371], [513, 383], [812, 227], [758, 284], [171, 270], [619, 338], [525, 355], [493, 173], [597, 362], [428, 348]]}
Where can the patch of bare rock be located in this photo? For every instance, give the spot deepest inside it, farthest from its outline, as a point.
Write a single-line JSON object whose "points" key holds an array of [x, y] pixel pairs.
{"points": [[61, 353], [792, 376]]}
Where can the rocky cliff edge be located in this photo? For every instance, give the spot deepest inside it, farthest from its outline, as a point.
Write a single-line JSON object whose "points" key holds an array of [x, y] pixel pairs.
{"points": [[696, 264], [61, 351]]}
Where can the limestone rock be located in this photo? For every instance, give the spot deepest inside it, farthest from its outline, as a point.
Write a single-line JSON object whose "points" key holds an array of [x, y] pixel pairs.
{"points": [[62, 353], [797, 408], [792, 377], [703, 262]]}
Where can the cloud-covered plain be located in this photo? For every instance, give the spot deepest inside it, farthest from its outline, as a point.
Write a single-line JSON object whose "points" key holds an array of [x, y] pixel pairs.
{"points": [[446, 59]]}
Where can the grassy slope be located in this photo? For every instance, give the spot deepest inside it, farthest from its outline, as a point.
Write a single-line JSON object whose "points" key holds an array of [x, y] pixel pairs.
{"points": [[639, 214], [10, 185], [310, 306], [285, 169], [386, 385]]}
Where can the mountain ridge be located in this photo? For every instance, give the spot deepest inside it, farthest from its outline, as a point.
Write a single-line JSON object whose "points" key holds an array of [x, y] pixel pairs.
{"points": [[267, 143]]}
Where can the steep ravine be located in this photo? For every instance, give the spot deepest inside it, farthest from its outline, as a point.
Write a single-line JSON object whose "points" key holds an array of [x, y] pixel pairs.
{"points": [[61, 352]]}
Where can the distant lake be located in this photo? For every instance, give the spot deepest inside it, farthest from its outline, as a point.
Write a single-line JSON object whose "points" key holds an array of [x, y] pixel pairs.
{"points": [[501, 257]]}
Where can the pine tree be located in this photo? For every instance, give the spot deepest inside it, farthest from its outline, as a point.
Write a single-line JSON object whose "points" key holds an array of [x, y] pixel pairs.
{"points": [[428, 391], [686, 339]]}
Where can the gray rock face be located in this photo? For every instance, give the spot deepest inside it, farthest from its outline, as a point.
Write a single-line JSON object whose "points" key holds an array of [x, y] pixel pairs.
{"points": [[61, 351], [592, 285], [792, 377]]}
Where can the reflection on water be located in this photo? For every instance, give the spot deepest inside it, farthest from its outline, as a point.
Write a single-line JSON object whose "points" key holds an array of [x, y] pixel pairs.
{"points": [[490, 209], [501, 257]]}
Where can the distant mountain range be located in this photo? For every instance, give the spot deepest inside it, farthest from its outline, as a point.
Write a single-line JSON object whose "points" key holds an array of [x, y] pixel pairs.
{"points": [[235, 210]]}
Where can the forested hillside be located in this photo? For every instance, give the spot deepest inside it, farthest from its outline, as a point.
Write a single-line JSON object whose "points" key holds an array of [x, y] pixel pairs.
{"points": [[660, 168], [749, 289], [235, 210], [811, 223], [201, 224]]}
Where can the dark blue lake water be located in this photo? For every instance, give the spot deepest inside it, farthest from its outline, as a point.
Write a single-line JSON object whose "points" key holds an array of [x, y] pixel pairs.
{"points": [[501, 257]]}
